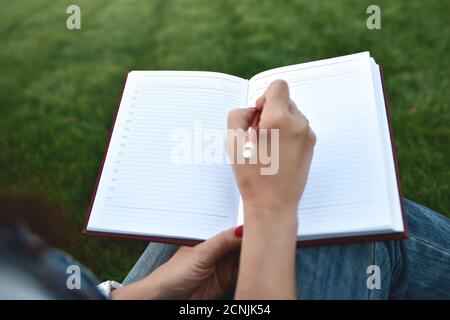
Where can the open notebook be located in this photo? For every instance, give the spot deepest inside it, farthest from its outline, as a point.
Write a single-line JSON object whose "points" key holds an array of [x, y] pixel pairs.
{"points": [[352, 193]]}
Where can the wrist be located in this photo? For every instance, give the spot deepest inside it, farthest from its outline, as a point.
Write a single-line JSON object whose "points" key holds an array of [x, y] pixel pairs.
{"points": [[271, 220], [268, 232], [149, 288], [283, 211], [156, 287]]}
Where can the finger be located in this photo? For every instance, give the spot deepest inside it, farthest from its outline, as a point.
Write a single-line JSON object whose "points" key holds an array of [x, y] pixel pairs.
{"points": [[260, 102], [229, 268], [240, 118], [220, 245], [239, 121], [297, 112], [278, 91], [276, 105], [293, 108]]}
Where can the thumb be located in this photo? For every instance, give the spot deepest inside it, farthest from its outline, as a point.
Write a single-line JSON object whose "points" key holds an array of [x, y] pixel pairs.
{"points": [[221, 244], [240, 118]]}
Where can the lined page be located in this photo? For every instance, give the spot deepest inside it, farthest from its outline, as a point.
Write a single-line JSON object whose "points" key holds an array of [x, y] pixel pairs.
{"points": [[347, 189], [145, 189]]}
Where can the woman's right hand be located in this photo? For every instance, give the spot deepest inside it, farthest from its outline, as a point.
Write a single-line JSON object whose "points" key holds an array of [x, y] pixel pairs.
{"points": [[281, 189], [267, 263]]}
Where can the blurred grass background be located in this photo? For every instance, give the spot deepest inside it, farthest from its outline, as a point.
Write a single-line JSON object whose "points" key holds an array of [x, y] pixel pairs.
{"points": [[58, 88]]}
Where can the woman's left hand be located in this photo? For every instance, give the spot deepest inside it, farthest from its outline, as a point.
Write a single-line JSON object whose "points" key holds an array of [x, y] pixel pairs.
{"points": [[205, 271]]}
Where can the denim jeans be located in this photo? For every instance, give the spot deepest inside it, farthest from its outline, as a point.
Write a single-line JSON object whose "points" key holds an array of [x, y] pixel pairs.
{"points": [[416, 268]]}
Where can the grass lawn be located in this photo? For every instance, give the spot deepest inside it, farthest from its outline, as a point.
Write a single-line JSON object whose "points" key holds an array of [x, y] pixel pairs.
{"points": [[58, 88]]}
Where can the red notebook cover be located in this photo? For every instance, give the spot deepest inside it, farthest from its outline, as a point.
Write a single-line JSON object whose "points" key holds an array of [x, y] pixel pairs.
{"points": [[300, 243]]}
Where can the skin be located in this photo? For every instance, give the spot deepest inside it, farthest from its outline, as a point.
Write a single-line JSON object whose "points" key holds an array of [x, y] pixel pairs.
{"points": [[265, 265], [205, 271]]}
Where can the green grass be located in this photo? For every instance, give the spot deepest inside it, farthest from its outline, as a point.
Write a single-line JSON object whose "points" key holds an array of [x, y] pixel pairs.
{"points": [[58, 88]]}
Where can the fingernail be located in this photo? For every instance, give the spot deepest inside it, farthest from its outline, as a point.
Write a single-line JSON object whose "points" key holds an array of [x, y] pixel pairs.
{"points": [[239, 231]]}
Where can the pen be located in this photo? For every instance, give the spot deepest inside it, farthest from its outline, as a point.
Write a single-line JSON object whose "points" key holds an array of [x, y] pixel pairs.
{"points": [[250, 146]]}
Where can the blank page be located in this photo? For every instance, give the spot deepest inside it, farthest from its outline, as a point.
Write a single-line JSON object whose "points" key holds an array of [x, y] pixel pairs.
{"points": [[142, 189], [347, 192]]}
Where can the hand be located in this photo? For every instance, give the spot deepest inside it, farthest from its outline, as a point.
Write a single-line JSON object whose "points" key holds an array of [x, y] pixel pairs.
{"points": [[267, 264], [205, 271], [295, 145]]}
